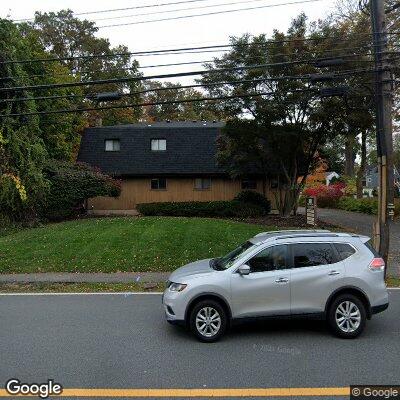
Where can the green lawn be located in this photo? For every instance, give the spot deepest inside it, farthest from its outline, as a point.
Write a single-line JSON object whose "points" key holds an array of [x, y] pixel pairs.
{"points": [[120, 244]]}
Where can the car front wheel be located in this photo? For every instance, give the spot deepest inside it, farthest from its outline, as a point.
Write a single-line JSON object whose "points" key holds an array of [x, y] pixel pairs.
{"points": [[208, 320], [347, 316]]}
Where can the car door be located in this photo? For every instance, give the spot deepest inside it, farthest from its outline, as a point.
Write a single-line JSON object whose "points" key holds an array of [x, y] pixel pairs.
{"points": [[317, 272], [266, 289]]}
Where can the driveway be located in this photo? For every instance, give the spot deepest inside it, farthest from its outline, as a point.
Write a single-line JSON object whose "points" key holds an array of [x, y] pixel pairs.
{"points": [[122, 341], [362, 224]]}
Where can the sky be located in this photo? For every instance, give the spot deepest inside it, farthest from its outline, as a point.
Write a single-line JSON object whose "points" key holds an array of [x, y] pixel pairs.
{"points": [[198, 31]]}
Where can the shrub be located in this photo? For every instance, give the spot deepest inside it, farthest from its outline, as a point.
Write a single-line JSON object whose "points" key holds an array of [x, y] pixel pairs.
{"points": [[365, 205], [250, 197], [71, 185], [327, 196], [225, 209]]}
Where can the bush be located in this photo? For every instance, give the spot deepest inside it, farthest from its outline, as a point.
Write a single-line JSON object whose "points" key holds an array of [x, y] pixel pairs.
{"points": [[365, 205], [250, 197], [327, 196], [224, 209], [71, 185]]}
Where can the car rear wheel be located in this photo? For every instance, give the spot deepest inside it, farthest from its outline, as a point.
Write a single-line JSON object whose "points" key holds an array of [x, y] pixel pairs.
{"points": [[208, 320], [347, 316]]}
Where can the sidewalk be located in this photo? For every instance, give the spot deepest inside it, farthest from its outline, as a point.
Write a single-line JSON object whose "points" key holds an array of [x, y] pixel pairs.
{"points": [[56, 277]]}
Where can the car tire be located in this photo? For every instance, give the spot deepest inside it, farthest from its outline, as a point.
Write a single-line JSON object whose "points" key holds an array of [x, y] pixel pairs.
{"points": [[208, 321], [347, 316]]}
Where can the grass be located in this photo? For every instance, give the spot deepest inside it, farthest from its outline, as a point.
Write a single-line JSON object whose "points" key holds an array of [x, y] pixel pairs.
{"points": [[120, 244], [393, 282], [79, 287]]}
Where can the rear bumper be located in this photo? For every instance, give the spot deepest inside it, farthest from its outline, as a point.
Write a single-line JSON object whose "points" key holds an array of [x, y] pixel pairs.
{"points": [[380, 308]]}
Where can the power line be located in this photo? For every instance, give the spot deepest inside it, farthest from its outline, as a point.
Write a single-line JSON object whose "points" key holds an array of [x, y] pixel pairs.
{"points": [[190, 62], [189, 50], [123, 9], [204, 85], [134, 79], [161, 76], [148, 104], [177, 10], [207, 14]]}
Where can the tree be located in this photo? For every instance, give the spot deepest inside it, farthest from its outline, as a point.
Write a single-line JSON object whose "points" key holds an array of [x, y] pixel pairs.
{"points": [[22, 151], [63, 35], [176, 111], [289, 124]]}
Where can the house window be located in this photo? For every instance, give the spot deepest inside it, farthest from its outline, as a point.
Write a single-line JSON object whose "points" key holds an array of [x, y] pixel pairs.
{"points": [[158, 184], [202, 183], [112, 145], [249, 184], [158, 144]]}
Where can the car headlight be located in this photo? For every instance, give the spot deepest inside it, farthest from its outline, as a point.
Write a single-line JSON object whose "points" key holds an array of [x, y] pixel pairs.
{"points": [[177, 287]]}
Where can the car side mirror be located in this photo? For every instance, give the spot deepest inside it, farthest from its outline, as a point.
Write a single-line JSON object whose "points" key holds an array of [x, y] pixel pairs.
{"points": [[244, 269]]}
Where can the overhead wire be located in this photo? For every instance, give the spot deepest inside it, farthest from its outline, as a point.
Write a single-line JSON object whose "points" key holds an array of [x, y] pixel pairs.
{"points": [[161, 76], [204, 85], [146, 104]]}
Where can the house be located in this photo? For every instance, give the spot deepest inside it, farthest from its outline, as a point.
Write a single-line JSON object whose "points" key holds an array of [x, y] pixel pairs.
{"points": [[371, 180], [161, 161], [329, 176]]}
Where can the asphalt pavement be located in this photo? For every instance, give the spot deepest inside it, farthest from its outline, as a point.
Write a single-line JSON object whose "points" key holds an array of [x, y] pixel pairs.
{"points": [[122, 341]]}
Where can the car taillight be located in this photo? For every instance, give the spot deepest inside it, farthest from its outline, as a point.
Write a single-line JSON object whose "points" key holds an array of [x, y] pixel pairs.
{"points": [[377, 264]]}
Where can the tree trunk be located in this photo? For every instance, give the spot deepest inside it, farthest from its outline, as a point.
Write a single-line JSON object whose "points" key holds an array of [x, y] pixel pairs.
{"points": [[350, 155], [361, 171]]}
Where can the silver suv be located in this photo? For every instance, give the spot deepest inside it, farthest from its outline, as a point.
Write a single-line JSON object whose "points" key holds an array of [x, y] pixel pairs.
{"points": [[334, 276]]}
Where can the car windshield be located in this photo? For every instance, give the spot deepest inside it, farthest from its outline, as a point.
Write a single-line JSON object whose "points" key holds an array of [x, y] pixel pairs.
{"points": [[227, 261]]}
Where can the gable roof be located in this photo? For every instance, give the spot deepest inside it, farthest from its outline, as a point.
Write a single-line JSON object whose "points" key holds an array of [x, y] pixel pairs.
{"points": [[191, 149]]}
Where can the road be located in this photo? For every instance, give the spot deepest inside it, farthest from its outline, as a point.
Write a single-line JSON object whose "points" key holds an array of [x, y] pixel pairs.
{"points": [[123, 341], [362, 224]]}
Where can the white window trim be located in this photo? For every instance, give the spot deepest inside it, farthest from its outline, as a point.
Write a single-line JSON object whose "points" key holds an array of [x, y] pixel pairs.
{"points": [[157, 142], [113, 147]]}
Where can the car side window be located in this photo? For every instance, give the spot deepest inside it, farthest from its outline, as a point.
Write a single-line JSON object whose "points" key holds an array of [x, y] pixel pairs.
{"points": [[269, 259], [344, 250], [312, 254]]}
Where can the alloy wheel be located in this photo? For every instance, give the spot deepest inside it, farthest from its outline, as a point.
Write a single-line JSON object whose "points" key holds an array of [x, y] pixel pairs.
{"points": [[208, 321], [347, 316]]}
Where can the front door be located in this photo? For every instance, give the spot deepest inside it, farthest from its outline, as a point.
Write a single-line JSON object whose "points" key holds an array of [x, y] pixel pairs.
{"points": [[317, 272], [266, 290]]}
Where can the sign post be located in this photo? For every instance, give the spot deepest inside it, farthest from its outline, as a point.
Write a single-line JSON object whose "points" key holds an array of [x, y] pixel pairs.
{"points": [[311, 210]]}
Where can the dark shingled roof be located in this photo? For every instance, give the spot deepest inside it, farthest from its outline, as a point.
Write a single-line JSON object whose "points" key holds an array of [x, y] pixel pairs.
{"points": [[191, 149]]}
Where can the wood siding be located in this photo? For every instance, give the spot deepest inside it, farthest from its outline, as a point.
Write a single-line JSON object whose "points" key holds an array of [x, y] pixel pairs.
{"points": [[135, 191]]}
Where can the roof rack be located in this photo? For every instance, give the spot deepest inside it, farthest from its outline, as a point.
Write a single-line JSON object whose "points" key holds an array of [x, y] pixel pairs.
{"points": [[292, 231], [307, 235]]}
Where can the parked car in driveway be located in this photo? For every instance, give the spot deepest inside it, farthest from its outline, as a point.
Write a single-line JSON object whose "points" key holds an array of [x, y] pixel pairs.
{"points": [[333, 276]]}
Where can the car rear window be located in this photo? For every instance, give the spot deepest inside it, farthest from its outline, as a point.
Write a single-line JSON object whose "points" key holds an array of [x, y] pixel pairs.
{"points": [[344, 250], [371, 249]]}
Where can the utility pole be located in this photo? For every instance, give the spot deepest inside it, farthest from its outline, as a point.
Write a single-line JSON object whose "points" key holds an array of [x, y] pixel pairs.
{"points": [[384, 140]]}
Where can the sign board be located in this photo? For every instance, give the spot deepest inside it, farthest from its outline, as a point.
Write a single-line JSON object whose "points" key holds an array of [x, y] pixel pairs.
{"points": [[311, 210]]}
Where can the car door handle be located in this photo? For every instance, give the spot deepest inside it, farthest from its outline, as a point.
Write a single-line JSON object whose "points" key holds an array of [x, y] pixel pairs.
{"points": [[334, 273], [282, 280]]}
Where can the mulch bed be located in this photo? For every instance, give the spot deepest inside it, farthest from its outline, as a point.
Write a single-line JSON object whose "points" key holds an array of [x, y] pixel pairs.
{"points": [[294, 221]]}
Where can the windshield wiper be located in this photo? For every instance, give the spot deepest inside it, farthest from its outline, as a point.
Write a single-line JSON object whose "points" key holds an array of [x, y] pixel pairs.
{"points": [[214, 264]]}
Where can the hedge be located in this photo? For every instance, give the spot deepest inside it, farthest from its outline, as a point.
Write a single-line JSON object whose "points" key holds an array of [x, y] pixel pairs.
{"points": [[364, 205], [249, 196], [225, 209]]}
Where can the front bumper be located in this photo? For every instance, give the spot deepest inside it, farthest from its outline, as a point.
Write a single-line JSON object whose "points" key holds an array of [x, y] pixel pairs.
{"points": [[174, 306]]}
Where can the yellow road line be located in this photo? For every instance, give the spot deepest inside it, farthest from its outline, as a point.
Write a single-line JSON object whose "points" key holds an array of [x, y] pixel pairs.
{"points": [[245, 392]]}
